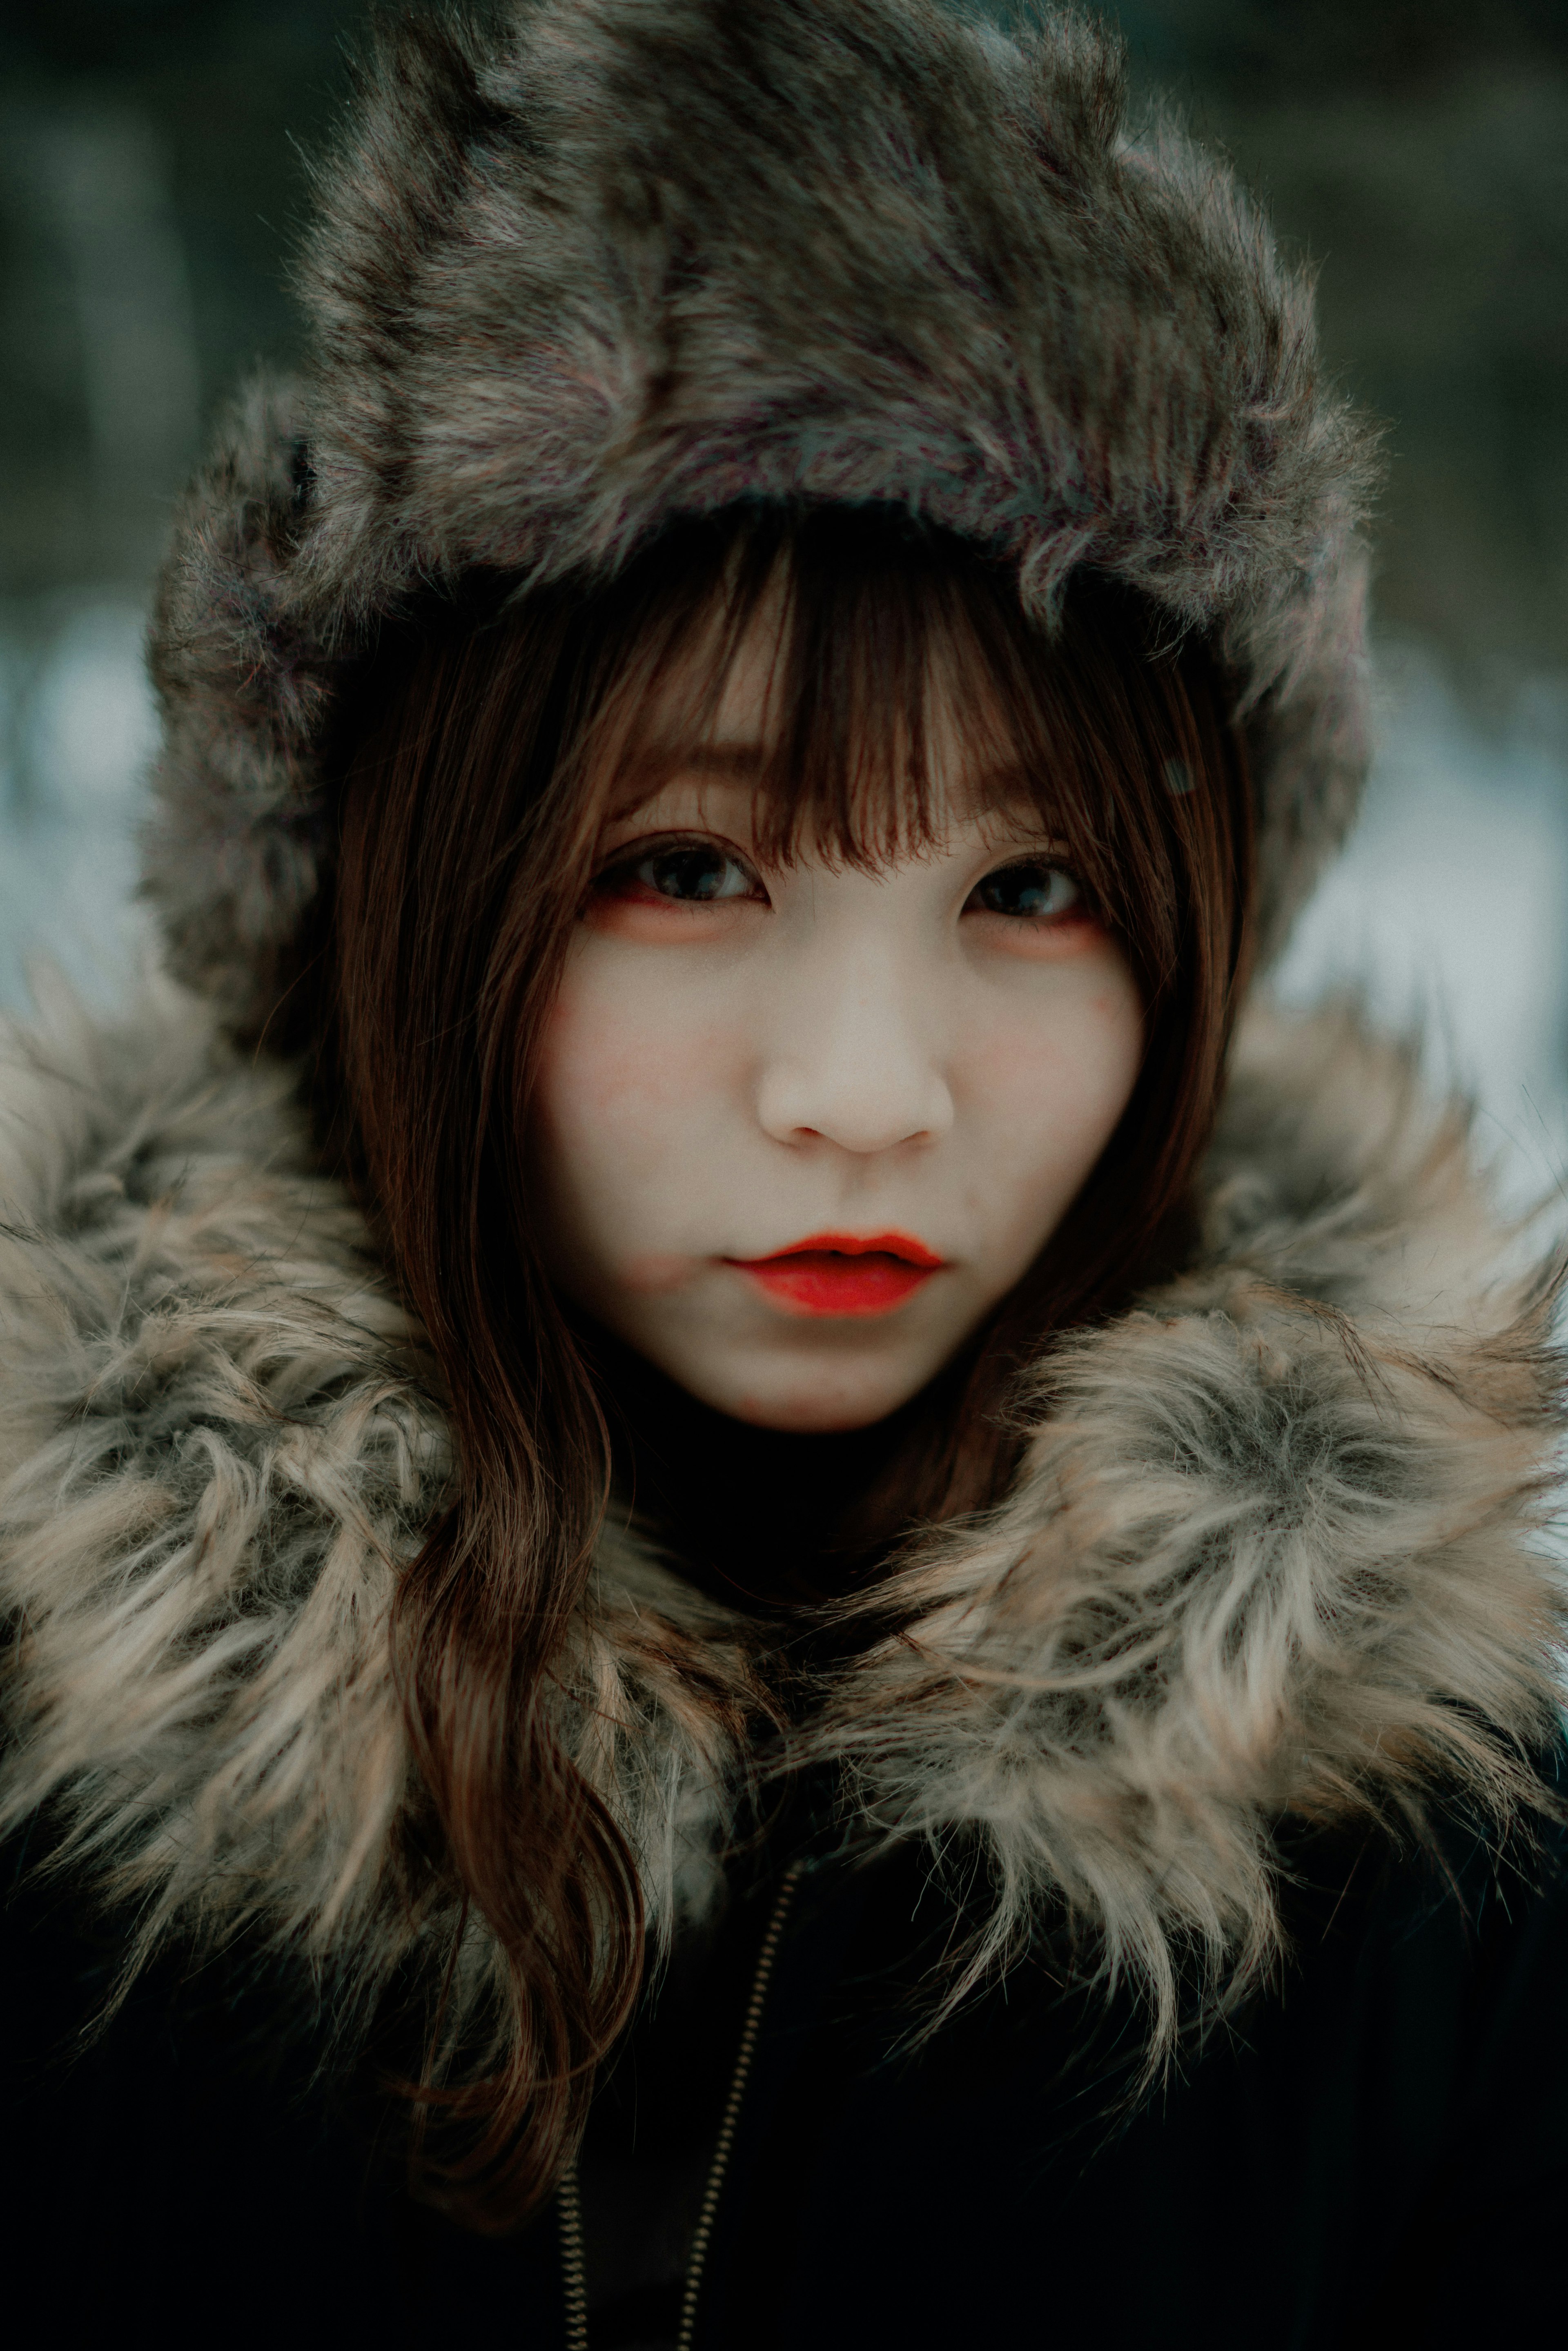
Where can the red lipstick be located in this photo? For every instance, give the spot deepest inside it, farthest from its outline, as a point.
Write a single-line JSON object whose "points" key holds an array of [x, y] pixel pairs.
{"points": [[843, 1273]]}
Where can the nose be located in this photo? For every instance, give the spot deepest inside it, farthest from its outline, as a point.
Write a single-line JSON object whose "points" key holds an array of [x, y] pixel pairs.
{"points": [[856, 1059]]}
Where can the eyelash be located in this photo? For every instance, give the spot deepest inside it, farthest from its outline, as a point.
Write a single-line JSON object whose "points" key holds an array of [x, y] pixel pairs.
{"points": [[623, 868], [1077, 904]]}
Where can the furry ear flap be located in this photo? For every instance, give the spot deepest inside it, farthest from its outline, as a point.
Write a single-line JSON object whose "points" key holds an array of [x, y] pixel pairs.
{"points": [[232, 852]]}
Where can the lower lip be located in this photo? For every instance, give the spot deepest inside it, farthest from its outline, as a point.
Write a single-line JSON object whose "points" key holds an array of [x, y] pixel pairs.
{"points": [[823, 1281]]}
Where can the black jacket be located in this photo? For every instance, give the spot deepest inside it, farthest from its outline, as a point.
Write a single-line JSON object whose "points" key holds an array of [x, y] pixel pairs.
{"points": [[1375, 2152]]}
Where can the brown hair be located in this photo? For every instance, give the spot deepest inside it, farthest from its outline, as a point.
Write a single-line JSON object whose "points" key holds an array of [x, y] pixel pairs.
{"points": [[471, 808]]}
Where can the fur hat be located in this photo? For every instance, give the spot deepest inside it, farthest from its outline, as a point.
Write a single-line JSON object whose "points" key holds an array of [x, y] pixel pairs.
{"points": [[603, 262]]}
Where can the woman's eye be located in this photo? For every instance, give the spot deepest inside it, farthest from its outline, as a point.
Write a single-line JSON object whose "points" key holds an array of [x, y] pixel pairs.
{"points": [[1030, 891], [689, 873]]}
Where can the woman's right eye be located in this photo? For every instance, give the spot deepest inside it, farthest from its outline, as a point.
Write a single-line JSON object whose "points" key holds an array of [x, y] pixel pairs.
{"points": [[682, 872]]}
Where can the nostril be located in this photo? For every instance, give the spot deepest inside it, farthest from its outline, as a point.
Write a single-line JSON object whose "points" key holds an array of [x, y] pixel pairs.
{"points": [[793, 1107]]}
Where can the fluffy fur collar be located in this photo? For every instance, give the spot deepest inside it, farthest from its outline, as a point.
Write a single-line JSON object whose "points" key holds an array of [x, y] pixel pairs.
{"points": [[1278, 1544]]}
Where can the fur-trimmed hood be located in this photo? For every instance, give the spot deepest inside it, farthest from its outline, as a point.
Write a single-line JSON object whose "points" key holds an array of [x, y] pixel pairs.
{"points": [[1276, 1545], [614, 261]]}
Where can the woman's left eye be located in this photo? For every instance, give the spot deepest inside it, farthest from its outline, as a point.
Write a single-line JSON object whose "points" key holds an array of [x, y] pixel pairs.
{"points": [[1030, 891]]}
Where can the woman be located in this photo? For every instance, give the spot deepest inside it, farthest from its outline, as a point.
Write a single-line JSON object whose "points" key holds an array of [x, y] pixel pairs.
{"points": [[758, 1596]]}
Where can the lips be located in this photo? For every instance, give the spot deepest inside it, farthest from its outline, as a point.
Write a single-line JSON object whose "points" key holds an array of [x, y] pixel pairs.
{"points": [[843, 1273]]}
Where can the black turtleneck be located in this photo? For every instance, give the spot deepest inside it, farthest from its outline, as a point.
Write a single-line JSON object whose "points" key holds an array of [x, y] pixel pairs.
{"points": [[754, 1516]]}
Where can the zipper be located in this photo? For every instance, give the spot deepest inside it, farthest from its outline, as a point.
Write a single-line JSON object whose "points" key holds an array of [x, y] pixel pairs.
{"points": [[701, 2234], [574, 2266], [569, 2196]]}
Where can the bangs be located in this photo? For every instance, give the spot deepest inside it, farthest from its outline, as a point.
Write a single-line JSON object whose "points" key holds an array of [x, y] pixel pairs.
{"points": [[890, 647]]}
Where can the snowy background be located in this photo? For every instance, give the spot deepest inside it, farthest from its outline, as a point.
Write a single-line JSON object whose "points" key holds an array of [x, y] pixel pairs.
{"points": [[149, 184]]}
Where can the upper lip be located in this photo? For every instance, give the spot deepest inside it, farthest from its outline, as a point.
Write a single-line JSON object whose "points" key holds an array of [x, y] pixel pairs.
{"points": [[899, 1245]]}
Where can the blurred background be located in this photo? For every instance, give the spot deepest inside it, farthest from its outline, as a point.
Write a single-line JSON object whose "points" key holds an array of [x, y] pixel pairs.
{"points": [[151, 185]]}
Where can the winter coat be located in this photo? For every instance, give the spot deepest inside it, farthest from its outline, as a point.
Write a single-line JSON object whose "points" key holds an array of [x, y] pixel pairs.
{"points": [[1230, 1733]]}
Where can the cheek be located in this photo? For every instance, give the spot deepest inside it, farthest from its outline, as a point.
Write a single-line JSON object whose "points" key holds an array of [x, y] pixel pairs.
{"points": [[1049, 1081], [629, 1074]]}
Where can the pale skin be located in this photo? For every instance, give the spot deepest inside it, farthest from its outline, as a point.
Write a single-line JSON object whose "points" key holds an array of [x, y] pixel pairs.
{"points": [[746, 1054]]}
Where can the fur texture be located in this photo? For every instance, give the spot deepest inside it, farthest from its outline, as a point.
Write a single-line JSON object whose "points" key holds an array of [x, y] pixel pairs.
{"points": [[616, 260], [1274, 1549], [218, 1439], [1277, 1544]]}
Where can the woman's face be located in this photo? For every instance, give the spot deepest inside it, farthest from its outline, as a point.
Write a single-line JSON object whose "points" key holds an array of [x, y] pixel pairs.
{"points": [[800, 1126]]}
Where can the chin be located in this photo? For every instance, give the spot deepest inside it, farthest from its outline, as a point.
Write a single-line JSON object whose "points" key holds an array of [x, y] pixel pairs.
{"points": [[824, 1407], [825, 1383]]}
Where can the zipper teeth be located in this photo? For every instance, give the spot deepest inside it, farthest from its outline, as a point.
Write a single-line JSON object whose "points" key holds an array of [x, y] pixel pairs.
{"points": [[574, 2265], [703, 2233]]}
